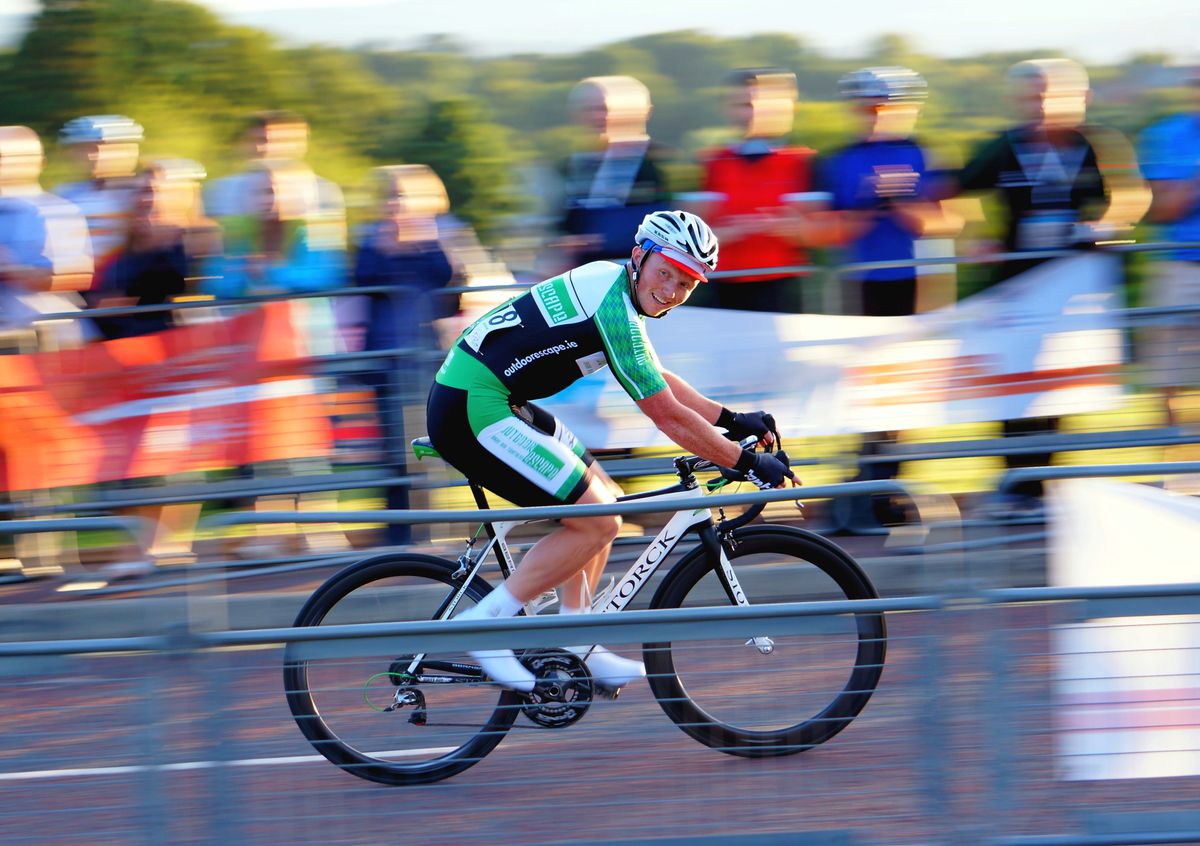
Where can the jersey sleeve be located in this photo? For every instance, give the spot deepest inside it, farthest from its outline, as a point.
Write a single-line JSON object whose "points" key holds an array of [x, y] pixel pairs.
{"points": [[630, 355]]}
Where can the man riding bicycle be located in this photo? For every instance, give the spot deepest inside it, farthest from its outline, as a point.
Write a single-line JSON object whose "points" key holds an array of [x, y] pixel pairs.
{"points": [[482, 422]]}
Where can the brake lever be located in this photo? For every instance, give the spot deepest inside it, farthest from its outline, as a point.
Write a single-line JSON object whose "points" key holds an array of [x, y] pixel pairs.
{"points": [[787, 462]]}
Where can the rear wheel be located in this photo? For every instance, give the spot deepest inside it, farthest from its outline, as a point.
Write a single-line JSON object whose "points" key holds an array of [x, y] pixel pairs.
{"points": [[773, 695], [338, 692]]}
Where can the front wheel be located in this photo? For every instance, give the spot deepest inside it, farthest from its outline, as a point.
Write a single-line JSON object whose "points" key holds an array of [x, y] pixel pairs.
{"points": [[771, 695], [340, 695]]}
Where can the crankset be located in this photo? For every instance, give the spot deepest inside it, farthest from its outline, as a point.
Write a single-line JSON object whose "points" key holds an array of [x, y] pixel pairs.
{"points": [[564, 688]]}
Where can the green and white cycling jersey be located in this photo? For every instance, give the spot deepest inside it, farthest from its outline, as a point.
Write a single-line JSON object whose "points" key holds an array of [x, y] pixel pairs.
{"points": [[560, 330]]}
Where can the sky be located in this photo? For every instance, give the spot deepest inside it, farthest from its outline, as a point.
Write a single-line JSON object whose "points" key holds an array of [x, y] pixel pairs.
{"points": [[1090, 30]]}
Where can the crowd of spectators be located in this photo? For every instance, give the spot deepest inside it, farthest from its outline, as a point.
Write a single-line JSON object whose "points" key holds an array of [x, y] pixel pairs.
{"points": [[149, 232]]}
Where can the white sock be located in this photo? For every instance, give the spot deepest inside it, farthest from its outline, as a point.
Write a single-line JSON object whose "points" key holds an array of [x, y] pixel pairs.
{"points": [[500, 664], [499, 603]]}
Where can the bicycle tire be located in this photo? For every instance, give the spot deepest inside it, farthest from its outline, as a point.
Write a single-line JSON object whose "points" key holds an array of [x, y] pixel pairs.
{"points": [[814, 569], [375, 590]]}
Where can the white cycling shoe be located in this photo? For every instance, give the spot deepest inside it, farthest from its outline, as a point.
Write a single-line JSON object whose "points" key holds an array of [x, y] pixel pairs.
{"points": [[607, 668], [500, 665]]}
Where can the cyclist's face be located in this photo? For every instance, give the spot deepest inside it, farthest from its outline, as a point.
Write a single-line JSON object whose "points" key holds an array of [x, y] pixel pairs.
{"points": [[661, 285]]}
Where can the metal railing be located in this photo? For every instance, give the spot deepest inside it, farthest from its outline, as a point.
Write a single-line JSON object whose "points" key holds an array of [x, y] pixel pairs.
{"points": [[186, 740], [175, 730]]}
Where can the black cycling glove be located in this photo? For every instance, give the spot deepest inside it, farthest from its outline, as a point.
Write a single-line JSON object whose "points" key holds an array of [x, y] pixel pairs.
{"points": [[744, 424], [764, 469]]}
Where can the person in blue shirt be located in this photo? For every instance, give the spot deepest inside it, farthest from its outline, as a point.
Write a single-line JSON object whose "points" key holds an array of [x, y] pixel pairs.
{"points": [[279, 245], [877, 187], [876, 190], [1170, 157], [403, 250], [45, 249]]}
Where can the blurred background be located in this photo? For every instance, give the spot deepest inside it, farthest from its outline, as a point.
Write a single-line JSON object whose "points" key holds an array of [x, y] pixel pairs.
{"points": [[960, 253]]}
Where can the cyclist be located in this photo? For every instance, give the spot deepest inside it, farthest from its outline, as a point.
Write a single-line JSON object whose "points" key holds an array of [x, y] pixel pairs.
{"points": [[481, 419]]}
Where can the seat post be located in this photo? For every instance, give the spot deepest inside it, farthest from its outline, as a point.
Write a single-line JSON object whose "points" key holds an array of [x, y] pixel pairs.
{"points": [[480, 497]]}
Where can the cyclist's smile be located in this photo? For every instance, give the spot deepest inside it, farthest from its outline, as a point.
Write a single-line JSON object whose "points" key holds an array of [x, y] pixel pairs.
{"points": [[663, 285]]}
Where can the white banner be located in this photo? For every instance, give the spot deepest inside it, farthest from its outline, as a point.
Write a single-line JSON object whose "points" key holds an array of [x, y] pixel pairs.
{"points": [[1127, 690], [1043, 343]]}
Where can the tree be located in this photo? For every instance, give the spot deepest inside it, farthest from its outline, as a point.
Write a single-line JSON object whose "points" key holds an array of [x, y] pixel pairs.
{"points": [[59, 70], [472, 156]]}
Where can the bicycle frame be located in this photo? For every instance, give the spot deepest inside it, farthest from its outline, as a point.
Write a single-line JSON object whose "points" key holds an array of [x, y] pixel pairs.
{"points": [[622, 591], [616, 597]]}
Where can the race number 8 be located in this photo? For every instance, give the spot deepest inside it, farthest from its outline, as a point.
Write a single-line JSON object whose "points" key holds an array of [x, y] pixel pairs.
{"points": [[502, 317], [500, 320]]}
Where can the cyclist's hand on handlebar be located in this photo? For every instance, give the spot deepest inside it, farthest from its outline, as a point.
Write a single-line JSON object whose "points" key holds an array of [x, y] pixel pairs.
{"points": [[764, 469], [741, 425]]}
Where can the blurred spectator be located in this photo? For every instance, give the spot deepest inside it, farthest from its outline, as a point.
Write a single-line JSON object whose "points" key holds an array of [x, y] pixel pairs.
{"points": [[609, 189], [877, 186], [278, 245], [1058, 180], [45, 256], [106, 147], [167, 235], [1060, 184], [1170, 155], [282, 244], [879, 198], [402, 251], [272, 136], [45, 251], [752, 191]]}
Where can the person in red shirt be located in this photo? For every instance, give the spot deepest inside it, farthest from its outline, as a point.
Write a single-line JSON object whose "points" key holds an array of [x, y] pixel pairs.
{"points": [[747, 187]]}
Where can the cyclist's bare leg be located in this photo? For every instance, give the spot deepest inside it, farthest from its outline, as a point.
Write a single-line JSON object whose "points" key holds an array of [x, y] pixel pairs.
{"points": [[560, 556], [610, 670], [574, 596], [576, 551]]}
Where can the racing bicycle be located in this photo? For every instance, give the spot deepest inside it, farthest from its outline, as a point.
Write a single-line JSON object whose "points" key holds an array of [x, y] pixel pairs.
{"points": [[403, 719]]}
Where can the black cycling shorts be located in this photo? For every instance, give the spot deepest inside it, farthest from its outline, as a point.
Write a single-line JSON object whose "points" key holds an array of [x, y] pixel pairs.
{"points": [[521, 453]]}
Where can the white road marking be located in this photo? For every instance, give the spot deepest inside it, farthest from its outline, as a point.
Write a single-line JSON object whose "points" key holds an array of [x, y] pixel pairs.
{"points": [[84, 772]]}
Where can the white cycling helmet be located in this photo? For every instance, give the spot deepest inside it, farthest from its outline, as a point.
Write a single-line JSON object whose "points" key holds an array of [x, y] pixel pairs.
{"points": [[101, 128], [894, 84], [681, 238]]}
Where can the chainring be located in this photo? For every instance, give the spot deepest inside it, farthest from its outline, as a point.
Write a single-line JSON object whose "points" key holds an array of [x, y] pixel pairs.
{"points": [[564, 688]]}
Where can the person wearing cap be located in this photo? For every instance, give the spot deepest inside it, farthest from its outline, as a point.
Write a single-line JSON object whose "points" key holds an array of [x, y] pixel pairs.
{"points": [[878, 189], [107, 148], [752, 191], [880, 209], [482, 420]]}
